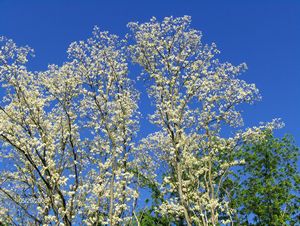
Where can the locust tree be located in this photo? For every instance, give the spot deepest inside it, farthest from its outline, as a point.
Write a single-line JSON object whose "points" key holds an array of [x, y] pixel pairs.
{"points": [[195, 97], [67, 136]]}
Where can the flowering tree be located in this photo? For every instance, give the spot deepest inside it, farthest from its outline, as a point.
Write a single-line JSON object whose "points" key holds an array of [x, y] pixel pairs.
{"points": [[195, 95], [68, 134]]}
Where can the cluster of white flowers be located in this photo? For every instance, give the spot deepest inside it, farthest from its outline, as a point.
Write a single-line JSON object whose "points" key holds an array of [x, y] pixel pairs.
{"points": [[68, 134]]}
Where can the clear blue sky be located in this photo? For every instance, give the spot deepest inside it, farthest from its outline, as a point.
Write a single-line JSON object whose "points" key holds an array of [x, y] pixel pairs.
{"points": [[264, 34]]}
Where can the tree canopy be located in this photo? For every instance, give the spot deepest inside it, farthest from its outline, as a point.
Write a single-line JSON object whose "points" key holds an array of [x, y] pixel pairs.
{"points": [[69, 146]]}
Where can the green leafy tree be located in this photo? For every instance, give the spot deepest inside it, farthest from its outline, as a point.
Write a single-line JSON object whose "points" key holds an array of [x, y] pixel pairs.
{"points": [[268, 190]]}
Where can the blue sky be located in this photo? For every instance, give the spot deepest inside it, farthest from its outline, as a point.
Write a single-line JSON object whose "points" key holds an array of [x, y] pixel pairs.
{"points": [[264, 34]]}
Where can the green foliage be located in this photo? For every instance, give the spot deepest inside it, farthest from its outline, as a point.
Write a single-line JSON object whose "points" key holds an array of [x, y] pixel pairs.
{"points": [[148, 218], [266, 191]]}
